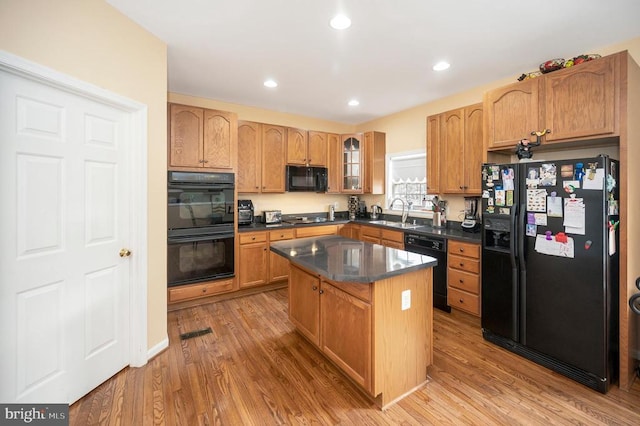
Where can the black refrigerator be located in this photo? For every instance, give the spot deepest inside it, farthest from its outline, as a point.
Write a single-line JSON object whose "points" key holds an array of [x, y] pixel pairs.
{"points": [[550, 264]]}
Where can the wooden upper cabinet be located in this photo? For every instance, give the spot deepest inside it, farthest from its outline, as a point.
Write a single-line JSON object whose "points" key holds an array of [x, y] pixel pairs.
{"points": [[334, 163], [352, 160], [453, 147], [374, 164], [512, 113], [296, 146], [201, 138], [433, 154], [273, 158], [317, 149], [473, 148], [582, 101], [249, 177], [461, 136], [185, 136], [219, 139], [576, 103]]}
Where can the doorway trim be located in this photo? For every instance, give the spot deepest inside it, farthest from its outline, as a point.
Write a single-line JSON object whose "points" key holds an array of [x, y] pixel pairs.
{"points": [[137, 111]]}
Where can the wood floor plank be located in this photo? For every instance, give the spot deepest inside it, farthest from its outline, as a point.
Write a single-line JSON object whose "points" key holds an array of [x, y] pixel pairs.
{"points": [[255, 369]]}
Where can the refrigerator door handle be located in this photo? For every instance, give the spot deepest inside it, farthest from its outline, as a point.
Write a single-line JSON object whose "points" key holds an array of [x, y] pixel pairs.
{"points": [[513, 237], [520, 232]]}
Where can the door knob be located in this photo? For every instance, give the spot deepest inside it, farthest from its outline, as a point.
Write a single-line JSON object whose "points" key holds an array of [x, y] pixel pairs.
{"points": [[125, 252]]}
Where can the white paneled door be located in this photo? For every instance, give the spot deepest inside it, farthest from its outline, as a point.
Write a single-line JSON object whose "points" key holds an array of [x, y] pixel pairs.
{"points": [[65, 207]]}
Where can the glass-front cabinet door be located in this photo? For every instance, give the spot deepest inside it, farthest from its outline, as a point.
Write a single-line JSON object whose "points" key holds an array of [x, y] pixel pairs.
{"points": [[352, 158]]}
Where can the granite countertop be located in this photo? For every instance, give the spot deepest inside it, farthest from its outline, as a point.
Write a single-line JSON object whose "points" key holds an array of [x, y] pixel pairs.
{"points": [[451, 231], [343, 259]]}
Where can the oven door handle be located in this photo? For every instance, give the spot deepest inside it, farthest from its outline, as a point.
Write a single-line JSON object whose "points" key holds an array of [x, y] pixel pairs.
{"points": [[207, 187], [197, 238]]}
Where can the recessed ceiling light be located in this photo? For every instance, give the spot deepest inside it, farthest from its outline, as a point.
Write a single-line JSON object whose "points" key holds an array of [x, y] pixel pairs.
{"points": [[354, 102], [270, 83], [441, 66], [340, 22]]}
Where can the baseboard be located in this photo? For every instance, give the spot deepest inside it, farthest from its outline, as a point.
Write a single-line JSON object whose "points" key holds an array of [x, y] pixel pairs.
{"points": [[161, 346]]}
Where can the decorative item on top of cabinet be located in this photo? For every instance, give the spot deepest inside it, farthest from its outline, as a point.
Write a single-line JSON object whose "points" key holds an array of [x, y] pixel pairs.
{"points": [[462, 150], [374, 164], [576, 103], [201, 138], [334, 163], [463, 276]]}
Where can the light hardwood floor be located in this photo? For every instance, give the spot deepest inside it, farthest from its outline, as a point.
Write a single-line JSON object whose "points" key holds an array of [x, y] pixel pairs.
{"points": [[254, 369]]}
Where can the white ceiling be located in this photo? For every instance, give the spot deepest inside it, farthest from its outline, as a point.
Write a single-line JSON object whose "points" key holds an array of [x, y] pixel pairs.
{"points": [[225, 49]]}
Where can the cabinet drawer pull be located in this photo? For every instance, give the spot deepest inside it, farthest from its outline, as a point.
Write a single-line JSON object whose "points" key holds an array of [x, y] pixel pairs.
{"points": [[461, 265], [461, 249], [461, 301], [461, 281], [253, 238]]}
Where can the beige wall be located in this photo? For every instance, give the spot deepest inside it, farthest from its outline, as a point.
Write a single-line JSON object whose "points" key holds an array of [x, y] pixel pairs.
{"points": [[91, 41]]}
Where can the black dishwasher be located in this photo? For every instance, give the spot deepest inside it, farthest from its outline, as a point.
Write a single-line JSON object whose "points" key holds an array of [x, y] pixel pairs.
{"points": [[436, 248]]}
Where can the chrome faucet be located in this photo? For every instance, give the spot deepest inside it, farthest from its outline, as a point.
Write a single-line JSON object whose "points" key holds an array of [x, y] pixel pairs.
{"points": [[404, 212]]}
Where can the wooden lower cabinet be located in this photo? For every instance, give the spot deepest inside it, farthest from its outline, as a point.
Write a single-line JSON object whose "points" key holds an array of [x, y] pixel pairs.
{"points": [[463, 276], [316, 231], [254, 259], [383, 349], [304, 303], [385, 237], [278, 265], [346, 328]]}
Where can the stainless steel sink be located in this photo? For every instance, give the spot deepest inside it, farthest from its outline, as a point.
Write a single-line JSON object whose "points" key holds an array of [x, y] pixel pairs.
{"points": [[395, 224]]}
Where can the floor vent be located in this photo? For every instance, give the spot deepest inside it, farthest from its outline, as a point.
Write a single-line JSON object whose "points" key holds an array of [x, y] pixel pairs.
{"points": [[195, 333]]}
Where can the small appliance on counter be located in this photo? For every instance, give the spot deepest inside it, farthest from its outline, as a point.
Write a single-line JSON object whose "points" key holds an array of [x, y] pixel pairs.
{"points": [[245, 212], [376, 211], [471, 222], [332, 213], [272, 217], [362, 209]]}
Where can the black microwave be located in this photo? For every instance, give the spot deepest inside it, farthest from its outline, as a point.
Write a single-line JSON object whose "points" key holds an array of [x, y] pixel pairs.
{"points": [[310, 179]]}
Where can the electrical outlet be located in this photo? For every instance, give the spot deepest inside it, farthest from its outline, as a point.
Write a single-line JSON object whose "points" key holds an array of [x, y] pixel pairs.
{"points": [[406, 300]]}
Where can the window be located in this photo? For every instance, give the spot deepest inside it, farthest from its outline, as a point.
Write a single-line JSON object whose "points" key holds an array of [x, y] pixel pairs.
{"points": [[407, 180]]}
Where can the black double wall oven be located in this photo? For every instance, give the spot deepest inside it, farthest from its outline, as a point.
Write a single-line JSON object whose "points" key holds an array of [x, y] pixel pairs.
{"points": [[200, 220]]}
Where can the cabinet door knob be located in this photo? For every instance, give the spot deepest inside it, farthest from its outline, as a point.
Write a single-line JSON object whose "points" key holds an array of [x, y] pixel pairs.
{"points": [[321, 291], [461, 281], [314, 288], [461, 265], [461, 301]]}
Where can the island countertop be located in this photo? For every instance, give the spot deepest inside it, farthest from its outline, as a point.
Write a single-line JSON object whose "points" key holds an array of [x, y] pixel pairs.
{"points": [[343, 259]]}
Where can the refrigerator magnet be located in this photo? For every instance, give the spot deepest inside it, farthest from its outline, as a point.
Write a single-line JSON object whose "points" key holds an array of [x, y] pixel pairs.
{"points": [[531, 218], [509, 195], [540, 219], [507, 179], [554, 206], [500, 197], [533, 177], [531, 230], [566, 171], [548, 174]]}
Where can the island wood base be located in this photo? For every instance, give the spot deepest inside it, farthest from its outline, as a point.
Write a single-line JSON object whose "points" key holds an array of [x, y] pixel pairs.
{"points": [[363, 329]]}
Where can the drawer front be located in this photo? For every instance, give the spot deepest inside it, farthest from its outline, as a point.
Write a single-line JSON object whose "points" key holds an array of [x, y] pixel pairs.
{"points": [[463, 281], [370, 239], [393, 244], [370, 231], [390, 235], [253, 237], [464, 249], [284, 234], [177, 294], [464, 301], [314, 231], [360, 290], [464, 264]]}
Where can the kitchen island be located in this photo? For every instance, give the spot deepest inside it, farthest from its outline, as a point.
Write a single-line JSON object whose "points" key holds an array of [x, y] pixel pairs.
{"points": [[366, 307]]}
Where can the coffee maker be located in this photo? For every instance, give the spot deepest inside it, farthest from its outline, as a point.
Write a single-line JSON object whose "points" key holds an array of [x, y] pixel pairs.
{"points": [[471, 222]]}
